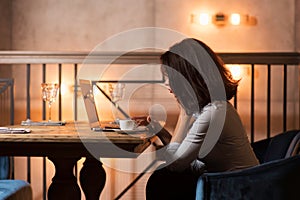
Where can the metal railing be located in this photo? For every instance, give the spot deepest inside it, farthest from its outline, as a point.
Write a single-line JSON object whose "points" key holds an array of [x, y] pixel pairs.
{"points": [[287, 63]]}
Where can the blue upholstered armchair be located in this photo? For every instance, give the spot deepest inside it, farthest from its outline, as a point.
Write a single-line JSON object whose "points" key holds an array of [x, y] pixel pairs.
{"points": [[277, 177], [12, 189]]}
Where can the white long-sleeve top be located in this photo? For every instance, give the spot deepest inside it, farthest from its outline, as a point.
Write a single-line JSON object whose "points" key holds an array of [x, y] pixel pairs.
{"points": [[225, 148]]}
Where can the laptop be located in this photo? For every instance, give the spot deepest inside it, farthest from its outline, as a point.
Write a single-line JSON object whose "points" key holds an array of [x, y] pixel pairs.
{"points": [[90, 106]]}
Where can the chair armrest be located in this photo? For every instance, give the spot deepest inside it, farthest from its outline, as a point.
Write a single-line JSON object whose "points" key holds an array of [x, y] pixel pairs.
{"points": [[260, 148], [280, 146], [294, 147], [15, 190], [273, 180]]}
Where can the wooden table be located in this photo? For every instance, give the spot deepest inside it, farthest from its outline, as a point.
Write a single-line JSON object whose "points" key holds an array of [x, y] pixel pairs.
{"points": [[65, 145]]}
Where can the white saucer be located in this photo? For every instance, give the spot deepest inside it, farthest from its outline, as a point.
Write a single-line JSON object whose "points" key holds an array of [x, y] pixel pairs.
{"points": [[136, 130]]}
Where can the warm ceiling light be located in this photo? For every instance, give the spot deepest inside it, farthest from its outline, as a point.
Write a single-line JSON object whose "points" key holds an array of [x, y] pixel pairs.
{"points": [[235, 19], [204, 19], [236, 71], [220, 19]]}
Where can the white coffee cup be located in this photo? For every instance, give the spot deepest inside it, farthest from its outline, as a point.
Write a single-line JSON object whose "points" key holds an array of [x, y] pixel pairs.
{"points": [[127, 124]]}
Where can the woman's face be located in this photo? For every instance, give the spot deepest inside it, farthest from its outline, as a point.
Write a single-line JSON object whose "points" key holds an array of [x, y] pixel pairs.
{"points": [[167, 84], [166, 78]]}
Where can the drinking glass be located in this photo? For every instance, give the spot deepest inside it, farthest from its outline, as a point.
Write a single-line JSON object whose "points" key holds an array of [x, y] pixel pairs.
{"points": [[49, 93], [117, 91]]}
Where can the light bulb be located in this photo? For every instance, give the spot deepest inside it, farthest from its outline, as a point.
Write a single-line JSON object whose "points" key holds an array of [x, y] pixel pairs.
{"points": [[236, 71], [235, 19], [204, 19], [63, 89]]}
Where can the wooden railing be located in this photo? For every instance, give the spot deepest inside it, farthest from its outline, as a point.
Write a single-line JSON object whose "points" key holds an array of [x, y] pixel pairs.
{"points": [[286, 64], [40, 57], [254, 60]]}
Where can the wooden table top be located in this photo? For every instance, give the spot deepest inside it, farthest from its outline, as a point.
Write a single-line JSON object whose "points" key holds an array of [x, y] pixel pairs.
{"points": [[71, 132], [72, 137]]}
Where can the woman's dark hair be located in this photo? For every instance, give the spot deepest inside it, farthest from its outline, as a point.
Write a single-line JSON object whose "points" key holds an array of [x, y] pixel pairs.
{"points": [[174, 66]]}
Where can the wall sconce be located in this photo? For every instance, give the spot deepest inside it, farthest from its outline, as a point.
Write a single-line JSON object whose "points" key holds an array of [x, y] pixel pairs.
{"points": [[239, 71], [236, 71], [221, 19]]}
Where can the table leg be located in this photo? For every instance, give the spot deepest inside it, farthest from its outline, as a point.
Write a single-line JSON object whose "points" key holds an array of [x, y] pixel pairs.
{"points": [[64, 184], [92, 178]]}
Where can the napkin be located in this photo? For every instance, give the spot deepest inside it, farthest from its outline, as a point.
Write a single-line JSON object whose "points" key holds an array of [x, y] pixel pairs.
{"points": [[14, 130], [43, 123]]}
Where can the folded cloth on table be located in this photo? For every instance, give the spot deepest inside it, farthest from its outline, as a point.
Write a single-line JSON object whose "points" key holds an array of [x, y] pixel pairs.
{"points": [[43, 123], [14, 130]]}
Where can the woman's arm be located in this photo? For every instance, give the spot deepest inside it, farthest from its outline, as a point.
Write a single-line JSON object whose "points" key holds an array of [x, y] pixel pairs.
{"points": [[183, 124], [186, 146], [182, 127], [181, 155]]}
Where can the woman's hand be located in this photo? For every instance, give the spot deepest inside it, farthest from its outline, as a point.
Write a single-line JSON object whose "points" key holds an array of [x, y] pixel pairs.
{"points": [[142, 120], [155, 128]]}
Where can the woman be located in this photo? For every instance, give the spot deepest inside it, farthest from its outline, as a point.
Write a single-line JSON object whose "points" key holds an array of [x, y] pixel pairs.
{"points": [[209, 134]]}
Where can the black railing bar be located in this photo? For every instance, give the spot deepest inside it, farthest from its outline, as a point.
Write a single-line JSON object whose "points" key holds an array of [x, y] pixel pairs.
{"points": [[44, 158], [268, 101], [12, 161], [75, 107], [12, 103], [28, 170], [284, 97], [28, 66], [44, 81], [235, 101], [59, 94], [252, 104], [75, 91]]}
